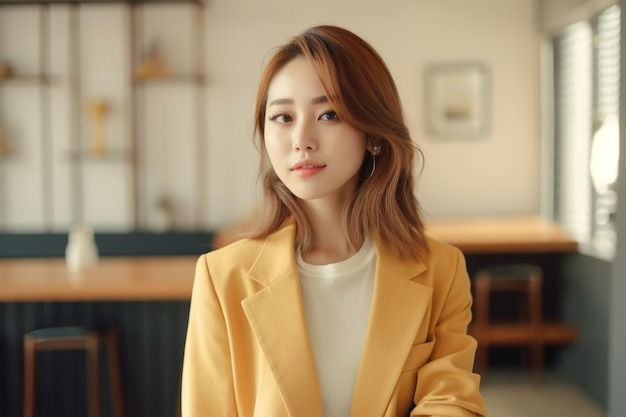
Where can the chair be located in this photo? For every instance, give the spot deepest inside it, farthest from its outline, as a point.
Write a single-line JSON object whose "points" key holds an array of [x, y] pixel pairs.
{"points": [[72, 338], [529, 328]]}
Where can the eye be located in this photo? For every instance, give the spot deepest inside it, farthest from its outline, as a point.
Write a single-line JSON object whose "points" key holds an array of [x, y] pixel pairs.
{"points": [[281, 118], [329, 115]]}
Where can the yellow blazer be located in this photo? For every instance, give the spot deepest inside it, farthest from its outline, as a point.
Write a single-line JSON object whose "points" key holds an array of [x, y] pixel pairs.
{"points": [[247, 351]]}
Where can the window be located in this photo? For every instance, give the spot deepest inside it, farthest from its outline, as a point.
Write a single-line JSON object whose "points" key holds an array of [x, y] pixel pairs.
{"points": [[586, 148]]}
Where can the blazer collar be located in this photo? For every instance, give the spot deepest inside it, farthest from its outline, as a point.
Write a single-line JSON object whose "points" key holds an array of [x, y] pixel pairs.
{"points": [[277, 256], [276, 315]]}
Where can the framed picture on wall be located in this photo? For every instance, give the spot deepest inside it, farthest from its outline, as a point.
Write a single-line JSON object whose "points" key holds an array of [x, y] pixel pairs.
{"points": [[456, 100]]}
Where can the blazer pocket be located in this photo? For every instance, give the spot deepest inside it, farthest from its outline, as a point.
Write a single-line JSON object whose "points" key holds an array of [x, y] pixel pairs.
{"points": [[418, 356]]}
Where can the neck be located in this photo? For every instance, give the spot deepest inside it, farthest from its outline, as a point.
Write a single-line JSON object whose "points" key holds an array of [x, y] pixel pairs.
{"points": [[330, 243]]}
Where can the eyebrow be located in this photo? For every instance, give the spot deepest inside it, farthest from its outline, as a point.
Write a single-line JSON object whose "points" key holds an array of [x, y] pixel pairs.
{"points": [[316, 100]]}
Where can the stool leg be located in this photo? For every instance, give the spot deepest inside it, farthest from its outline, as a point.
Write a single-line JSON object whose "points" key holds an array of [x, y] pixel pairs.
{"points": [[115, 378], [537, 359], [93, 375], [536, 319], [29, 376]]}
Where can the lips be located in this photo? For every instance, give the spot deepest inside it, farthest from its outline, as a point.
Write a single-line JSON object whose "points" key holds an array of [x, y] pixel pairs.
{"points": [[307, 168]]}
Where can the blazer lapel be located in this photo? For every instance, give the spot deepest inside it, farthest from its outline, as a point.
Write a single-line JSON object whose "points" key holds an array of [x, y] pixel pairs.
{"points": [[276, 315], [399, 307]]}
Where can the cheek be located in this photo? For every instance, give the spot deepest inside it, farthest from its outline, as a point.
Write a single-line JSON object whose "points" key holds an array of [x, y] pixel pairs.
{"points": [[354, 150], [274, 138], [273, 148]]}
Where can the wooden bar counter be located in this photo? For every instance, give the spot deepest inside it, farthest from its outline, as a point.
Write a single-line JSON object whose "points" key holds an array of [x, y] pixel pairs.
{"points": [[531, 234], [165, 278]]}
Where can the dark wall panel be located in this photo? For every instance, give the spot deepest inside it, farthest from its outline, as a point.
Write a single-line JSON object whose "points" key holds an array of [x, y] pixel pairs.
{"points": [[25, 245]]}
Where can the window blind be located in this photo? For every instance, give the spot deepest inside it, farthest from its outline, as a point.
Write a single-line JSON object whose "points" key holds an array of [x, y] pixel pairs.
{"points": [[573, 125], [587, 69], [605, 143]]}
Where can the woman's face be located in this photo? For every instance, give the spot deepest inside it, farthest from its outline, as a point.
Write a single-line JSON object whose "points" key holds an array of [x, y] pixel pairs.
{"points": [[314, 153]]}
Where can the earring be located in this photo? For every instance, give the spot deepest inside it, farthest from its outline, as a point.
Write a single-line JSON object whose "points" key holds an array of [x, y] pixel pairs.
{"points": [[376, 150]]}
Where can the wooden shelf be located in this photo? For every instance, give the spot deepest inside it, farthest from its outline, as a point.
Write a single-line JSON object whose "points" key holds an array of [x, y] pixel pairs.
{"points": [[25, 79], [197, 79], [109, 156]]}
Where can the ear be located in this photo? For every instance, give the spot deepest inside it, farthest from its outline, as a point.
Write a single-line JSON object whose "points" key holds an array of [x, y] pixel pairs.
{"points": [[374, 145]]}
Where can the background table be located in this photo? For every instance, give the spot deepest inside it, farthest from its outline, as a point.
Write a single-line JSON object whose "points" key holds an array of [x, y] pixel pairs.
{"points": [[503, 235], [115, 278]]}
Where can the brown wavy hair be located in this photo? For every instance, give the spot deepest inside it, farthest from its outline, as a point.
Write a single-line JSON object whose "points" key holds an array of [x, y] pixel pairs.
{"points": [[362, 92]]}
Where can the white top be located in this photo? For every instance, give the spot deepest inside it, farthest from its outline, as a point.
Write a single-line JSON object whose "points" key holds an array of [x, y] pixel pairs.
{"points": [[337, 301]]}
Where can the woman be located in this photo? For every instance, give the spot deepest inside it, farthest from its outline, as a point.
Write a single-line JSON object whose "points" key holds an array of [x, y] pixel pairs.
{"points": [[338, 304]]}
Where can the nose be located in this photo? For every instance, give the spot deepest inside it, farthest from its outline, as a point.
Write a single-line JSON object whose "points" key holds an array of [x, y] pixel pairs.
{"points": [[304, 136]]}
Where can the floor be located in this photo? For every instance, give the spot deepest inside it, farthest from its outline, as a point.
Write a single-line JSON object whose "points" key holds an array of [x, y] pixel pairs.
{"points": [[514, 394]]}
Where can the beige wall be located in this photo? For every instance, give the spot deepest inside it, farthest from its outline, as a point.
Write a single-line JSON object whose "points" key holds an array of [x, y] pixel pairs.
{"points": [[496, 174]]}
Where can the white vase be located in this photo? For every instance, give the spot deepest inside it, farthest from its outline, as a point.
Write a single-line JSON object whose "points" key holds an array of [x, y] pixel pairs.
{"points": [[81, 251]]}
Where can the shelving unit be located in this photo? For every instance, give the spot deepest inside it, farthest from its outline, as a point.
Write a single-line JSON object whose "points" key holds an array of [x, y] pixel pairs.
{"points": [[69, 171], [188, 77], [26, 79]]}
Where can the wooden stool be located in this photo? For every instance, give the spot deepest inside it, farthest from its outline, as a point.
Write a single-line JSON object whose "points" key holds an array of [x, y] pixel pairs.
{"points": [[530, 330], [520, 278], [72, 338]]}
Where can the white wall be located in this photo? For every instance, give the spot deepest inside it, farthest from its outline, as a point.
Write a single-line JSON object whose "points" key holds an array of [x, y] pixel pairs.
{"points": [[495, 174]]}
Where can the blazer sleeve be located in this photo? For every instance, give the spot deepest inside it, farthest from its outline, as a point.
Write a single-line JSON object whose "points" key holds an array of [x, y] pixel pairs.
{"points": [[446, 385], [207, 382]]}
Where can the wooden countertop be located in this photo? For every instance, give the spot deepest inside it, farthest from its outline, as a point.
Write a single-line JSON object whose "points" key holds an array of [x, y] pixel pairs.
{"points": [[114, 279], [166, 278], [503, 235]]}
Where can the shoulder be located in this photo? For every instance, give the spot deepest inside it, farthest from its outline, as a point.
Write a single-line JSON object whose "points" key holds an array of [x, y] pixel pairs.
{"points": [[437, 265], [441, 251], [239, 255], [443, 263], [223, 273], [268, 255]]}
